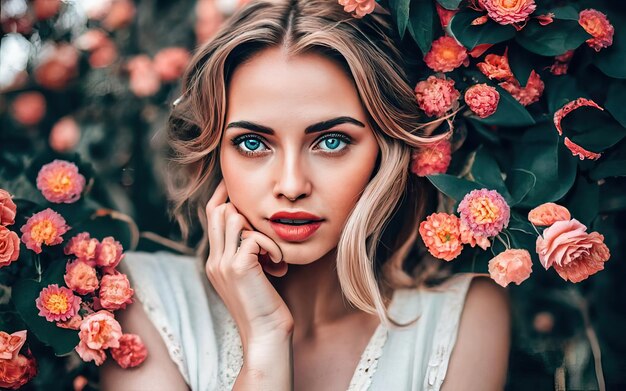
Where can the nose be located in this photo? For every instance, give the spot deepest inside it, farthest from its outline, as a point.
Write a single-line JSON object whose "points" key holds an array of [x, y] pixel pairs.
{"points": [[292, 181]]}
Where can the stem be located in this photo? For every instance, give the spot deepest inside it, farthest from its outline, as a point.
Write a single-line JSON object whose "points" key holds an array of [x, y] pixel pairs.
{"points": [[38, 267], [506, 246], [583, 306], [535, 228]]}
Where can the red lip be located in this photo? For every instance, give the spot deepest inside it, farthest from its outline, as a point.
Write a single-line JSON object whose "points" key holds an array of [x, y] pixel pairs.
{"points": [[295, 233], [294, 216]]}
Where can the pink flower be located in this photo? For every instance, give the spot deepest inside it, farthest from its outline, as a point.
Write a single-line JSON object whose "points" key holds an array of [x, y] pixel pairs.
{"points": [[547, 214], [208, 20], [512, 265], [508, 11], [435, 96], [568, 108], [10, 344], [496, 67], [543, 322], [87, 354], [358, 8], [79, 383], [131, 352], [120, 15], [485, 212], [58, 67], [469, 237], [115, 291], [9, 246], [80, 277], [100, 330], [60, 182], [482, 99], [561, 63], [7, 208], [57, 304], [83, 247], [445, 15], [110, 253], [525, 95], [72, 323], [16, 372], [29, 108], [446, 55], [596, 23], [431, 159], [170, 63], [144, 79], [64, 135], [440, 232], [574, 253], [579, 151], [45, 227]]}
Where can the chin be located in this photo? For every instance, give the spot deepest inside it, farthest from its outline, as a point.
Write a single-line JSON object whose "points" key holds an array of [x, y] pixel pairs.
{"points": [[303, 253]]}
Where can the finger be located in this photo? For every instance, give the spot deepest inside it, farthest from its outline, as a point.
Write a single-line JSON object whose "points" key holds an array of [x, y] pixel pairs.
{"points": [[234, 225], [275, 269], [216, 232], [219, 197], [265, 243]]}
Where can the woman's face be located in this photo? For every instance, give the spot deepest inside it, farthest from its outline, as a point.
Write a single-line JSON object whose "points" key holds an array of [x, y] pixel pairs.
{"points": [[296, 139]]}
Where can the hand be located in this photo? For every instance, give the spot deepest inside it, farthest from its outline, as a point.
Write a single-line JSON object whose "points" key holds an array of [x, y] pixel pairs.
{"points": [[237, 273]]}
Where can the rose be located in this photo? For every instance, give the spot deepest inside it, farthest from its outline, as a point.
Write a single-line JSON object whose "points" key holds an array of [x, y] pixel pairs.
{"points": [[9, 246], [512, 265], [7, 208], [17, 372]]}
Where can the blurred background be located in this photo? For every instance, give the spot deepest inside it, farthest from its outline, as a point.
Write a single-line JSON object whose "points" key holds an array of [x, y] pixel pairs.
{"points": [[94, 80]]}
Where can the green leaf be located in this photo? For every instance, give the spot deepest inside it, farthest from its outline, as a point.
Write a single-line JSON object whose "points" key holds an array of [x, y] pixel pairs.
{"points": [[561, 90], [593, 129], [449, 4], [584, 201], [486, 171], [523, 62], [615, 99], [611, 61], [553, 39], [482, 130], [519, 182], [566, 12], [453, 187], [472, 36], [400, 12], [608, 168], [509, 113], [422, 24]]}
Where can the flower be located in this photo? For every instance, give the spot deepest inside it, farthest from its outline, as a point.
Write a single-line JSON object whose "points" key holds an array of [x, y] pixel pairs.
{"points": [[45, 227], [58, 66], [512, 265], [579, 151], [110, 253], [485, 212], [7, 208], [543, 322], [547, 214], [440, 232], [131, 352], [72, 323], [87, 354], [45, 9], [60, 182], [469, 237], [80, 277], [561, 63], [144, 80], [9, 246], [29, 108], [10, 344], [115, 291], [508, 11], [431, 159], [596, 23], [119, 15], [359, 8], [526, 95], [100, 330], [574, 253], [496, 67], [57, 304], [435, 96], [16, 372], [446, 55], [64, 135], [79, 383], [83, 247], [568, 108], [170, 63], [208, 20], [482, 99], [445, 15]]}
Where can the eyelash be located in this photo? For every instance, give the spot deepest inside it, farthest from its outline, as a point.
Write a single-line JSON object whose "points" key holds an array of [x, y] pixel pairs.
{"points": [[340, 136]]}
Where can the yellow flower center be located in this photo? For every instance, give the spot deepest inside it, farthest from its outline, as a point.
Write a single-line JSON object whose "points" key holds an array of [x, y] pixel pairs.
{"points": [[448, 54], [43, 232], [484, 211], [444, 236], [509, 3], [60, 183], [57, 303]]}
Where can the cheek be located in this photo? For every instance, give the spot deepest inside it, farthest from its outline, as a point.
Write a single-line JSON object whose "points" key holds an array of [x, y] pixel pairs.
{"points": [[243, 180]]}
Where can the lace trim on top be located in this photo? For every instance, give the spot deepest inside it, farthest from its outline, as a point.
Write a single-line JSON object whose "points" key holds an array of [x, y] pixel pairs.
{"points": [[368, 363]]}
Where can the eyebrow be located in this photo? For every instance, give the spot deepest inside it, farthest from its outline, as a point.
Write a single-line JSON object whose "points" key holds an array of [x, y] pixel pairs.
{"points": [[317, 127]]}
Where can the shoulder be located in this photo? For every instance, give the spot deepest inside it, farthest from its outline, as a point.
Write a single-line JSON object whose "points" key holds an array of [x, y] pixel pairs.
{"points": [[484, 330]]}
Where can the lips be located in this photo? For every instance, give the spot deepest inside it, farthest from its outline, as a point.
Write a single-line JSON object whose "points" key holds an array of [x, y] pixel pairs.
{"points": [[295, 226]]}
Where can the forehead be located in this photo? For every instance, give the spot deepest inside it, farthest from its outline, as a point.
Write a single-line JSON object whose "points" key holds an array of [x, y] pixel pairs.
{"points": [[301, 89]]}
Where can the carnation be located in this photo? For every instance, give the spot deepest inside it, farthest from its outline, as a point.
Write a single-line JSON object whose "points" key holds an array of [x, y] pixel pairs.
{"points": [[485, 212], [57, 303], [508, 11], [469, 237], [440, 232], [60, 182], [115, 291], [45, 227], [131, 352], [100, 330], [80, 277], [597, 24], [83, 247], [110, 253], [512, 265], [445, 55], [482, 99], [435, 96], [431, 159]]}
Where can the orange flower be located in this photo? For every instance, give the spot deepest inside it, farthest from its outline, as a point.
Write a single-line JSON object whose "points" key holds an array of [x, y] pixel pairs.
{"points": [[131, 352], [358, 8], [115, 292], [508, 11], [16, 372], [60, 182], [526, 95], [10, 344], [435, 95], [446, 55], [80, 277], [9, 246], [596, 23], [512, 265], [440, 232], [58, 67], [45, 227], [208, 20], [496, 67], [431, 159], [7, 208], [45, 9], [547, 214], [482, 99], [57, 304]]}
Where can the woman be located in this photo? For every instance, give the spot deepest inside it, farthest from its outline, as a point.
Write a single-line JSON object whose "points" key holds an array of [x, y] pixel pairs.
{"points": [[292, 142]]}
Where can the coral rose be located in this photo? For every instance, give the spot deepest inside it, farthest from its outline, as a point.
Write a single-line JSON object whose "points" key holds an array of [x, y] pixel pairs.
{"points": [[469, 237], [435, 96], [525, 95], [10, 344], [496, 67], [547, 214], [482, 99], [15, 373], [9, 246], [358, 8], [508, 11], [574, 253], [512, 265], [440, 232], [60, 182], [110, 253], [83, 247], [431, 159], [131, 352], [115, 291], [170, 63], [485, 212], [45, 227], [7, 208], [29, 108], [596, 23], [80, 277], [57, 304], [445, 55], [64, 135]]}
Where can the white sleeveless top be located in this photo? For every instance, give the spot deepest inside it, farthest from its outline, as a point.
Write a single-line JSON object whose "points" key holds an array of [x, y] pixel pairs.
{"points": [[203, 341]]}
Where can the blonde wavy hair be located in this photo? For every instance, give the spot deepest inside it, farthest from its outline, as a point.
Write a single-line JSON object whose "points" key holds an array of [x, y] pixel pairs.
{"points": [[381, 231]]}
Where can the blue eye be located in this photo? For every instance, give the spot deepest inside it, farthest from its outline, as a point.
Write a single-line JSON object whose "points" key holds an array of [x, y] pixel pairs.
{"points": [[252, 144], [249, 144], [333, 142]]}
